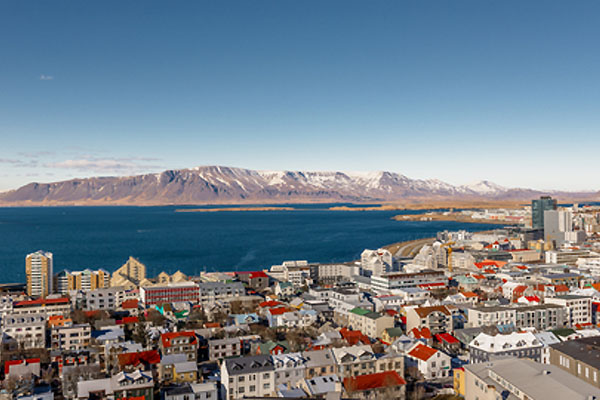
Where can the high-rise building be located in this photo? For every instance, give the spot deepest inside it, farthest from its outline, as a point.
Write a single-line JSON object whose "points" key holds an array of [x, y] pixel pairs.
{"points": [[81, 280], [38, 268], [556, 224], [538, 207]]}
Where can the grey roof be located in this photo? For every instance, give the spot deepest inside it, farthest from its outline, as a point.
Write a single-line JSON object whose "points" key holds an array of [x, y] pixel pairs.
{"points": [[321, 384], [318, 358], [187, 366], [169, 359], [250, 364], [586, 350], [537, 381]]}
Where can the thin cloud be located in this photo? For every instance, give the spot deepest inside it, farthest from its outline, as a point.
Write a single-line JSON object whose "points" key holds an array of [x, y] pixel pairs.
{"points": [[114, 165], [46, 77]]}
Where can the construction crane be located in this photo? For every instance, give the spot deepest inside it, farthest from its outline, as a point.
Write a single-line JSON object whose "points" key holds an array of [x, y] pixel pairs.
{"points": [[449, 245]]}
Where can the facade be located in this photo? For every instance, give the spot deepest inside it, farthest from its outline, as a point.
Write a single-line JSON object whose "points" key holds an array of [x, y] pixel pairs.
{"points": [[130, 275], [38, 269], [517, 344], [578, 308], [372, 324], [289, 368], [430, 362], [376, 262], [438, 319], [579, 357], [49, 307], [24, 331], [248, 376], [319, 363], [171, 293], [386, 284], [541, 317], [224, 348], [211, 292], [107, 298], [355, 360], [183, 342], [537, 210], [87, 279], [74, 337]]}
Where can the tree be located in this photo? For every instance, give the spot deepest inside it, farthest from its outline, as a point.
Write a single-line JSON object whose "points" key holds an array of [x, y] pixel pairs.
{"points": [[140, 335]]}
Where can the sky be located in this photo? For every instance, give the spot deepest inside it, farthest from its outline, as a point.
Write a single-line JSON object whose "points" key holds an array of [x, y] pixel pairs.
{"points": [[462, 91]]}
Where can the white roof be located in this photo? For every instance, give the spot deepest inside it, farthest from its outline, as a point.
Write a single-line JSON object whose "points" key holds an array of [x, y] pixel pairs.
{"points": [[499, 343]]}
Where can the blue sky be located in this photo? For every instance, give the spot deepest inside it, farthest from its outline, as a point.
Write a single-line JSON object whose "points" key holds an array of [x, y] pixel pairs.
{"points": [[456, 90]]}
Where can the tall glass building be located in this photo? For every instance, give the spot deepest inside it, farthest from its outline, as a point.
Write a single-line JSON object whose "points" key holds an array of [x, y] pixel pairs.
{"points": [[537, 210]]}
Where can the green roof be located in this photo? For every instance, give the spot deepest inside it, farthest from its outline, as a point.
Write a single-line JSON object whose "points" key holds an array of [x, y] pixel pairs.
{"points": [[563, 332], [394, 332], [360, 311]]}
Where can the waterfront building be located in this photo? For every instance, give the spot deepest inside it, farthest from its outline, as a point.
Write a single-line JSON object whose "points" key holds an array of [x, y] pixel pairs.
{"points": [[38, 269], [376, 262], [87, 279], [130, 275], [537, 210]]}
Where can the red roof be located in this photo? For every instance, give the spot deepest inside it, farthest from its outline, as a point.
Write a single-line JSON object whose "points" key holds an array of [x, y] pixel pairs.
{"points": [[146, 357], [446, 337], [212, 325], [128, 320], [432, 285], [167, 337], [532, 298], [269, 303], [519, 290], [258, 274], [278, 310], [469, 294], [10, 363], [422, 352], [354, 337], [489, 271], [129, 304], [40, 302], [424, 333], [373, 381], [561, 288], [391, 313]]}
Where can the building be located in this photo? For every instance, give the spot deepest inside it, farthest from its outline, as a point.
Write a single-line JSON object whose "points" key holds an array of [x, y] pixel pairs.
{"points": [[556, 224], [522, 379], [106, 298], [331, 273], [540, 317], [224, 348], [430, 362], [372, 324], [170, 293], [196, 391], [579, 357], [183, 342], [38, 268], [211, 292], [355, 360], [438, 319], [137, 385], [565, 256], [319, 363], [49, 307], [248, 376], [74, 337], [579, 308], [256, 280], [289, 368], [537, 210], [380, 385], [376, 262], [517, 344], [387, 283], [87, 279], [130, 275], [27, 331]]}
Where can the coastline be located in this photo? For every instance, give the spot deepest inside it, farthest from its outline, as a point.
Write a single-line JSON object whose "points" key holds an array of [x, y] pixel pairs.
{"points": [[224, 209]]}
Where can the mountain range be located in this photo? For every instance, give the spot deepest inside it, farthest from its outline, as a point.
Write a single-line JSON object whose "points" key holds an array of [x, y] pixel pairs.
{"points": [[227, 185]]}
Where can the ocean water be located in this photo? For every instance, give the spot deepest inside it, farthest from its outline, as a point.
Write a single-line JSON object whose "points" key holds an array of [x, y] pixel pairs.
{"points": [[104, 237]]}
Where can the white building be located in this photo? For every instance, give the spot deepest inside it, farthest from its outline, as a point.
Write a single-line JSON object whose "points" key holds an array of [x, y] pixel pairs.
{"points": [[248, 376], [430, 362], [376, 262], [579, 308]]}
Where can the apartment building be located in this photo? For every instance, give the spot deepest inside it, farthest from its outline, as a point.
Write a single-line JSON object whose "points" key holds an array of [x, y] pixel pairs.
{"points": [[248, 376], [49, 307], [184, 342], [376, 262], [87, 279], [319, 363], [106, 298], [438, 319], [370, 323], [355, 360], [74, 337], [38, 270], [578, 308], [331, 273], [224, 348], [289, 368], [385, 284], [541, 317], [27, 331], [211, 292]]}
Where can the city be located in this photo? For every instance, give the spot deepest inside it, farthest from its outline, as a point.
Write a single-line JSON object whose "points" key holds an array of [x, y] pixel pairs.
{"points": [[508, 313]]}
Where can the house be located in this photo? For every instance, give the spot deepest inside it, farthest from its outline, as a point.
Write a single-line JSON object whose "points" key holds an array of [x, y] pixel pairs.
{"points": [[184, 342], [424, 335], [284, 289], [319, 363], [74, 337], [516, 344], [273, 348], [438, 319], [430, 362], [138, 384], [256, 280], [387, 384], [289, 368], [224, 348], [21, 368], [355, 360], [391, 334], [248, 376], [187, 391]]}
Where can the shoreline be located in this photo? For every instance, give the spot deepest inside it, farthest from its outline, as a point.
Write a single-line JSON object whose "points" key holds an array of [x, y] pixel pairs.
{"points": [[226, 209]]}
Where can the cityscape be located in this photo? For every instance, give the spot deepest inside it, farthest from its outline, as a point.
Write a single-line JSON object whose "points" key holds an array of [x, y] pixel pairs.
{"points": [[512, 312], [299, 200]]}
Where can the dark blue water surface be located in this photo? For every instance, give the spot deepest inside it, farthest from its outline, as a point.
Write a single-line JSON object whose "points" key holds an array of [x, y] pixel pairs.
{"points": [[104, 237]]}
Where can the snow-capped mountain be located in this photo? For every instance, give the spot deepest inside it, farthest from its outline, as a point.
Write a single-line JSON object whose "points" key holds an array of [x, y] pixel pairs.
{"points": [[227, 185]]}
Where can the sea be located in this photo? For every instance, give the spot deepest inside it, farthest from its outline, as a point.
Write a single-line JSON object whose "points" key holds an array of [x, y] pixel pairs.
{"points": [[194, 242]]}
